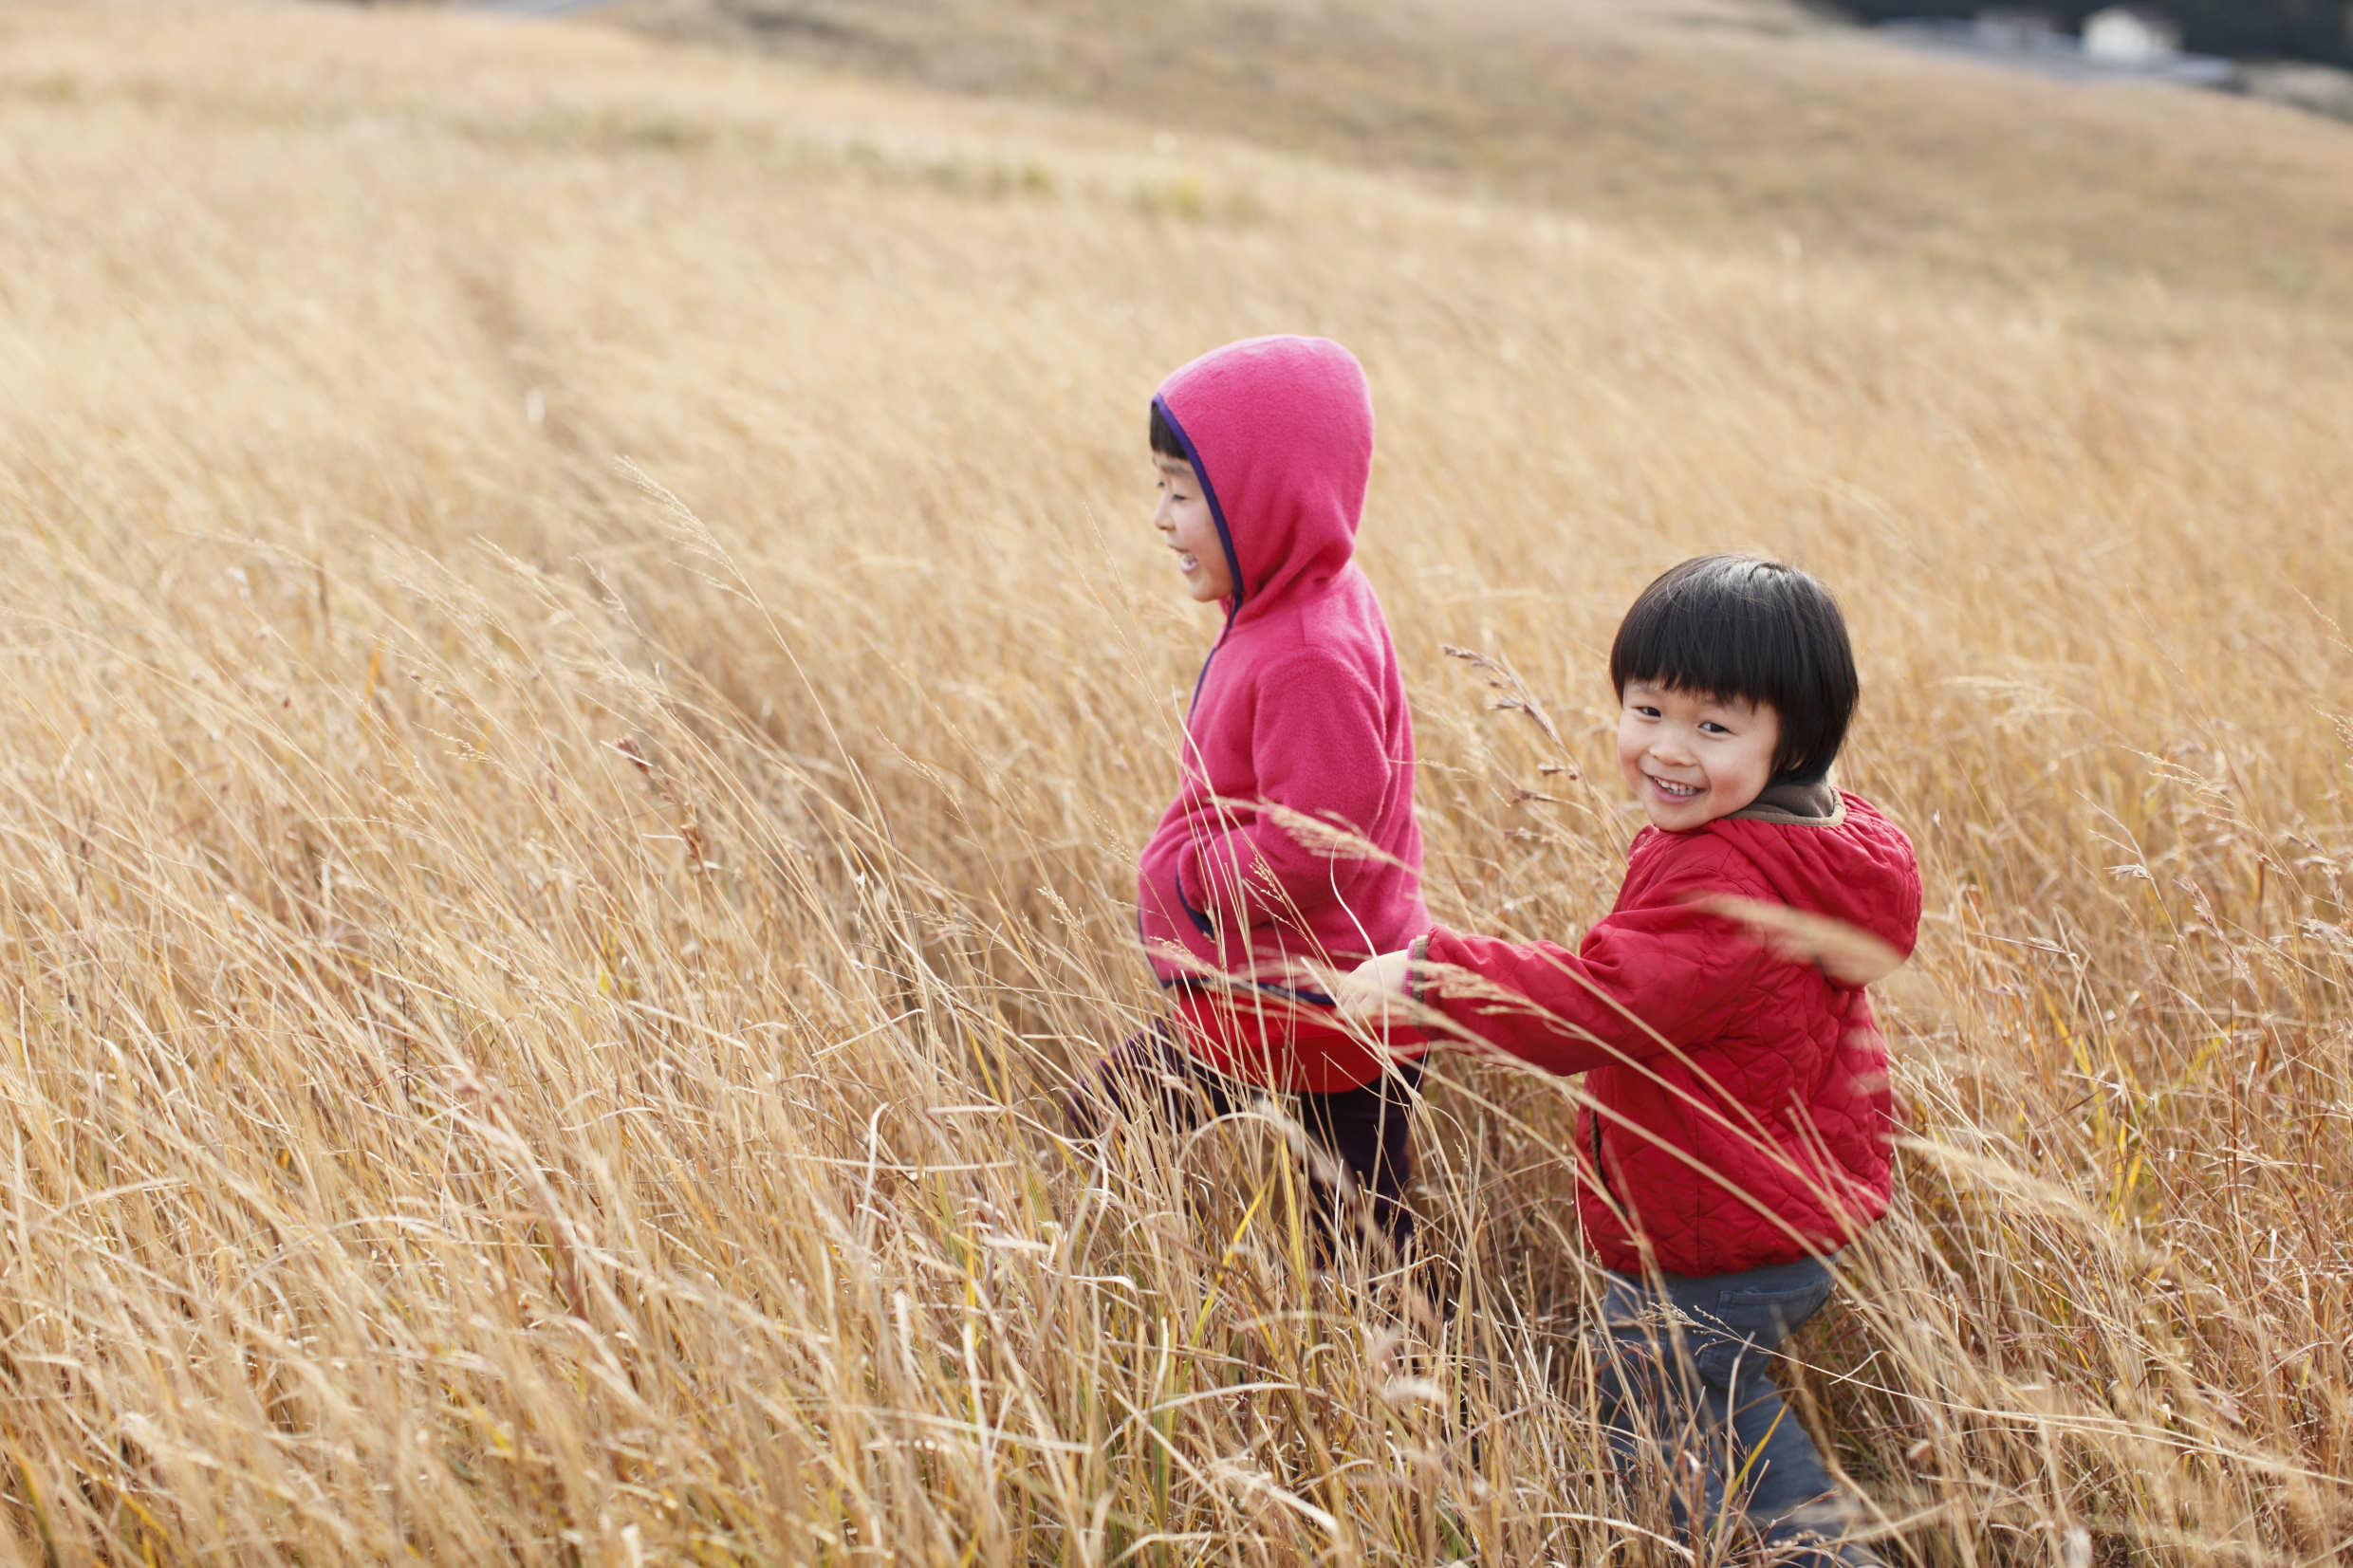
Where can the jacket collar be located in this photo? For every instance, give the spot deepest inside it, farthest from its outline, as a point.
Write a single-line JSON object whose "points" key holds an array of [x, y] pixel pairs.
{"points": [[1814, 805]]}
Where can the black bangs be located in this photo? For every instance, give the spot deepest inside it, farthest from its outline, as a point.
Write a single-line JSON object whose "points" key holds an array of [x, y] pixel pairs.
{"points": [[1743, 628], [1164, 439]]}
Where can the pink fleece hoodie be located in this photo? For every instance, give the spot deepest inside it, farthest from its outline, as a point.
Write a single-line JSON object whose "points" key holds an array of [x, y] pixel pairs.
{"points": [[1299, 715]]}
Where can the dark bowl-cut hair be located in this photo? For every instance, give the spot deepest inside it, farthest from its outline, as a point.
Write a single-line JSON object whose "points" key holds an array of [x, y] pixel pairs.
{"points": [[1741, 628], [1164, 438]]}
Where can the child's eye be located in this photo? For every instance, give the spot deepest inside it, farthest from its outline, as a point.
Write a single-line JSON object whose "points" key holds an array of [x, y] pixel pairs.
{"points": [[1709, 726], [1645, 711]]}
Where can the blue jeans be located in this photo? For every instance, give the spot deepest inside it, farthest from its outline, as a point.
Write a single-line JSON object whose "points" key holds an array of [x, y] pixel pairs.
{"points": [[1687, 1373]]}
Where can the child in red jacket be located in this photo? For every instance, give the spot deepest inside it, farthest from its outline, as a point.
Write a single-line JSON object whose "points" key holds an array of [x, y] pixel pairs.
{"points": [[1291, 846], [1736, 1128]]}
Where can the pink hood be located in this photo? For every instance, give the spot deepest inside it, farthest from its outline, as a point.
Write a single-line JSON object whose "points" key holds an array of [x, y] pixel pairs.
{"points": [[1300, 711], [1281, 432]]}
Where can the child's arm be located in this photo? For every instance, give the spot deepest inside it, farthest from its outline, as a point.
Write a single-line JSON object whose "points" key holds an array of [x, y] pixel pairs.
{"points": [[1318, 749], [1659, 970]]}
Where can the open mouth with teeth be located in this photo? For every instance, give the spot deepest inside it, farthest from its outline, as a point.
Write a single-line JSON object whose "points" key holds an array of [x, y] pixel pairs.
{"points": [[1671, 790]]}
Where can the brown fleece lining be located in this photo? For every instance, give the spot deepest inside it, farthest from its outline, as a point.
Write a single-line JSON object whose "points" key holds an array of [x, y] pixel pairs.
{"points": [[1796, 805]]}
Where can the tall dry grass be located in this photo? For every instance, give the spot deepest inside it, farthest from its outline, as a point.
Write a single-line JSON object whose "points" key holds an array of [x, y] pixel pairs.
{"points": [[537, 979]]}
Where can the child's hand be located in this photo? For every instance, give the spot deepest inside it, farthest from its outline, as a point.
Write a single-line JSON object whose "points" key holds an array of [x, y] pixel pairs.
{"points": [[1375, 991]]}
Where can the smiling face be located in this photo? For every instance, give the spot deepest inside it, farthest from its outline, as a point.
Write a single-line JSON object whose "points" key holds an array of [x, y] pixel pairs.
{"points": [[1188, 527], [1691, 758]]}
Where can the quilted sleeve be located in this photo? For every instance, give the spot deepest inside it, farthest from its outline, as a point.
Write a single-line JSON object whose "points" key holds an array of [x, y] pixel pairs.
{"points": [[1658, 971]]}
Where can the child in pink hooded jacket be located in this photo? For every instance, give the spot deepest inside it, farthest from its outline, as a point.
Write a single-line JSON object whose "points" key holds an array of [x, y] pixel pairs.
{"points": [[1292, 845]]}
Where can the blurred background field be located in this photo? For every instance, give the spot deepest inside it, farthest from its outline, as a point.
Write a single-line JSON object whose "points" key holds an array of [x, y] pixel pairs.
{"points": [[585, 666]]}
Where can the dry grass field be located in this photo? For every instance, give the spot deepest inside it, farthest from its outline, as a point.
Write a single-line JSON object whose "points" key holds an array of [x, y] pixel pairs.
{"points": [[584, 667], [1750, 122]]}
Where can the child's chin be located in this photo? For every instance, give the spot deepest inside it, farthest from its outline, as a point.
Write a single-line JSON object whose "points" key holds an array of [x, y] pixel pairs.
{"points": [[1679, 816]]}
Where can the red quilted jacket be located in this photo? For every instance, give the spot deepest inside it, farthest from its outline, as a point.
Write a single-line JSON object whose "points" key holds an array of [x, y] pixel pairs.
{"points": [[1760, 1131]]}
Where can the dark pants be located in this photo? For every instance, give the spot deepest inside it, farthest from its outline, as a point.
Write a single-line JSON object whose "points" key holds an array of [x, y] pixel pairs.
{"points": [[1364, 1133], [1688, 1373]]}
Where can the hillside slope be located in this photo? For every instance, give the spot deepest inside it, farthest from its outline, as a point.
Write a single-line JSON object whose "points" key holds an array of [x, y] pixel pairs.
{"points": [[1741, 121]]}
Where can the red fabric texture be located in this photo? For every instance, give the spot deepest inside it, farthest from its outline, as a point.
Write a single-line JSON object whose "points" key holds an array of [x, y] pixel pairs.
{"points": [[1291, 843], [1267, 1038], [1761, 1133]]}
